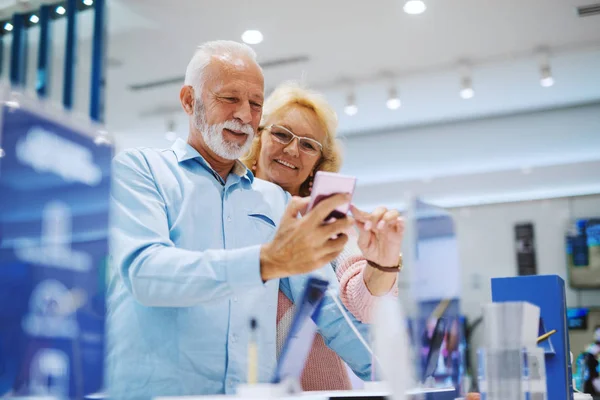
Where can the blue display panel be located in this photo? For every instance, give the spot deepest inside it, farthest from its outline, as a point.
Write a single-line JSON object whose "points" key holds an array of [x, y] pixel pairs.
{"points": [[54, 205]]}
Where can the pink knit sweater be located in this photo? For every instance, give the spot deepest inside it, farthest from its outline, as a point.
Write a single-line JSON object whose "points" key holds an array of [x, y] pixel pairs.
{"points": [[324, 369]]}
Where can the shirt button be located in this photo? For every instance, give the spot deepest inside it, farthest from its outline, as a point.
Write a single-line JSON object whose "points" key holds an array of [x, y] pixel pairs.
{"points": [[235, 299], [229, 219], [234, 338]]}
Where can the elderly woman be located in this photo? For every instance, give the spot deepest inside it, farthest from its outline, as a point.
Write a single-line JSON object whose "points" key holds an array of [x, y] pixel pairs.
{"points": [[297, 138]]}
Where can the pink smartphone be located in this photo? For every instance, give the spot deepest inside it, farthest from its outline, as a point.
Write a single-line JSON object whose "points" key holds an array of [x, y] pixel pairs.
{"points": [[327, 184]]}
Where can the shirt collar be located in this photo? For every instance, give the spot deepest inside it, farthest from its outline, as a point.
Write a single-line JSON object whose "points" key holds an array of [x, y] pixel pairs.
{"points": [[184, 151]]}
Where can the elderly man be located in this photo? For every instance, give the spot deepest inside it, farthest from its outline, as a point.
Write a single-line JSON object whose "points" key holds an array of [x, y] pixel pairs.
{"points": [[199, 246]]}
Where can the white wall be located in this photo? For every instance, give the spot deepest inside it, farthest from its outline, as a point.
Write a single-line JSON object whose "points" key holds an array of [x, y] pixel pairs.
{"points": [[482, 145], [487, 160], [486, 242]]}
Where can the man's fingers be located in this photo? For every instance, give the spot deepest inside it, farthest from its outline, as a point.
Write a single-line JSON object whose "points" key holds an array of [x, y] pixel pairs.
{"points": [[338, 226], [318, 214], [296, 205], [329, 257], [335, 245]]}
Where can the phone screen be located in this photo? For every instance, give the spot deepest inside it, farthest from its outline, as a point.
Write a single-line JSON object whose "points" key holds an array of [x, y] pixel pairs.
{"points": [[337, 214], [439, 332], [327, 184]]}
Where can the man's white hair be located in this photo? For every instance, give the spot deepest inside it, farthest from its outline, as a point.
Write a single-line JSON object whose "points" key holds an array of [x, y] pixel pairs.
{"points": [[195, 74]]}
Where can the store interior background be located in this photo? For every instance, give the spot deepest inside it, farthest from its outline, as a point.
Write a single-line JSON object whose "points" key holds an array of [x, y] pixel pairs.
{"points": [[515, 152]]}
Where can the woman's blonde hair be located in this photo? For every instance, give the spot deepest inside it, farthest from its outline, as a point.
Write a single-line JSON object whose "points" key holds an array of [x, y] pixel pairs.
{"points": [[290, 94]]}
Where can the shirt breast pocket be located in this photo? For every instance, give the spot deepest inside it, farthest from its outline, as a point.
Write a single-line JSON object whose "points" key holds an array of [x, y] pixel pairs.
{"points": [[263, 225]]}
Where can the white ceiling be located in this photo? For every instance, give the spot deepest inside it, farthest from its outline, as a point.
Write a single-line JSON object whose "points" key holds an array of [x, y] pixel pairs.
{"points": [[356, 45], [358, 41]]}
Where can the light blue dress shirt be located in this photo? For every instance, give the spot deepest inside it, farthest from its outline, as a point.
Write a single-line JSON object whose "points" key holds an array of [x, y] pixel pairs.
{"points": [[185, 278]]}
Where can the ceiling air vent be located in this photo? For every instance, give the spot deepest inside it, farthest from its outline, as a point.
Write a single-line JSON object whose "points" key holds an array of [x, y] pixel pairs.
{"points": [[589, 10], [178, 80]]}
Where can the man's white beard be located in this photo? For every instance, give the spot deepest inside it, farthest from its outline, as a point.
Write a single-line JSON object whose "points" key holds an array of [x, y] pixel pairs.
{"points": [[213, 135]]}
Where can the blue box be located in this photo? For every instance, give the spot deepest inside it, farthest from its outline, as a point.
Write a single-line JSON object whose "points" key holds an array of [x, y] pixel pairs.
{"points": [[548, 293]]}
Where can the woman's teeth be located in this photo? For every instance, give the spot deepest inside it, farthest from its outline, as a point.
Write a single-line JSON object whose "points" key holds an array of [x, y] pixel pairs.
{"points": [[286, 164]]}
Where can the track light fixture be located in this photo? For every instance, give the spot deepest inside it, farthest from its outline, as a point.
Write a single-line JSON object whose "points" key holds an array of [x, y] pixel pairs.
{"points": [[351, 108], [393, 102], [546, 78], [466, 88]]}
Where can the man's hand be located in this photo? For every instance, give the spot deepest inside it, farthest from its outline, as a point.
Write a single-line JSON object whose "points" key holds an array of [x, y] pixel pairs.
{"points": [[305, 244], [380, 235]]}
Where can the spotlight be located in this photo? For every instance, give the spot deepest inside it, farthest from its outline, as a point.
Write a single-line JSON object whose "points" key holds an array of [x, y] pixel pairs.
{"points": [[546, 79], [252, 37], [60, 10], [8, 27], [414, 7], [351, 109], [34, 19], [466, 91], [393, 102], [88, 3]]}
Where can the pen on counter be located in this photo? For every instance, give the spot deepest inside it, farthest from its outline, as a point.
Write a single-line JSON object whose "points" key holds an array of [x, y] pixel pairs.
{"points": [[253, 354], [546, 336]]}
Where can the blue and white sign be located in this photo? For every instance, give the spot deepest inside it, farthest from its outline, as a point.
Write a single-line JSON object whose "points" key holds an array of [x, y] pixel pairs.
{"points": [[54, 199]]}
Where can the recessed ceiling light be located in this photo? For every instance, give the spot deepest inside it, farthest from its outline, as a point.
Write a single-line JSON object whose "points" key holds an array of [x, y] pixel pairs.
{"points": [[34, 19], [414, 7], [252, 37], [60, 10], [8, 27], [88, 2]]}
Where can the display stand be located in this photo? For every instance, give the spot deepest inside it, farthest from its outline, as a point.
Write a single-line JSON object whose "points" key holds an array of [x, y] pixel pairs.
{"points": [[548, 293]]}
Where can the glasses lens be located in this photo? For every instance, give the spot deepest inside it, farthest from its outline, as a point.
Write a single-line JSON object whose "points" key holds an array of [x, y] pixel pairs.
{"points": [[281, 135], [308, 146]]}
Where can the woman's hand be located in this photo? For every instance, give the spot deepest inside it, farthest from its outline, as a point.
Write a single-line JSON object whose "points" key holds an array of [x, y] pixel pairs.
{"points": [[380, 235]]}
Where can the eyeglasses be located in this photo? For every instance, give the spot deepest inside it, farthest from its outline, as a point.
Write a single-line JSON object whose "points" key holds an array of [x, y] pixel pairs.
{"points": [[285, 136]]}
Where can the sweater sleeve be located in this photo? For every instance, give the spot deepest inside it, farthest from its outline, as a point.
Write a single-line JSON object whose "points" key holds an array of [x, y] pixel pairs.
{"points": [[349, 267]]}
